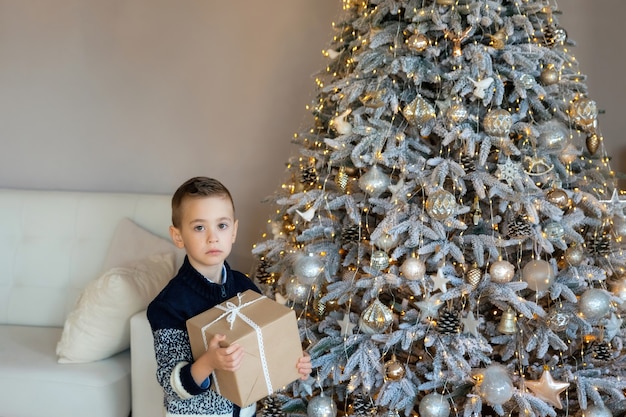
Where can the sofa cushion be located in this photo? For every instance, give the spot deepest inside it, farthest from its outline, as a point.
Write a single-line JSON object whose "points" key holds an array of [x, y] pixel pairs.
{"points": [[99, 326], [39, 386]]}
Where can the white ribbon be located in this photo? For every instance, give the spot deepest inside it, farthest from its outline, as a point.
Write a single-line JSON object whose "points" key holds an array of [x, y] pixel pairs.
{"points": [[231, 312]]}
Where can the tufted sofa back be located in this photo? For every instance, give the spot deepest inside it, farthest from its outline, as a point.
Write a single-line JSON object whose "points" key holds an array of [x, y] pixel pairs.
{"points": [[52, 243]]}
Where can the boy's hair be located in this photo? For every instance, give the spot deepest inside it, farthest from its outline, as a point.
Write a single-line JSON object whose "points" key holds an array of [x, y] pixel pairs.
{"points": [[197, 187]]}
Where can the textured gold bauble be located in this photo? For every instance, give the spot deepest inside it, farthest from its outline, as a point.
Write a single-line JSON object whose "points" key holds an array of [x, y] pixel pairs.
{"points": [[456, 113], [394, 370], [593, 143], [584, 112], [418, 42], [550, 75], [419, 111], [558, 197], [473, 276], [446, 2], [498, 122], [376, 318], [441, 204]]}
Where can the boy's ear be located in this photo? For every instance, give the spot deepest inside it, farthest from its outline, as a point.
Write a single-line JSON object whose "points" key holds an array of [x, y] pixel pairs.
{"points": [[235, 226], [176, 237]]}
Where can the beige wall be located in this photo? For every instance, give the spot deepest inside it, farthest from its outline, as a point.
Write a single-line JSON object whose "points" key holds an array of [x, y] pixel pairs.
{"points": [[139, 95]]}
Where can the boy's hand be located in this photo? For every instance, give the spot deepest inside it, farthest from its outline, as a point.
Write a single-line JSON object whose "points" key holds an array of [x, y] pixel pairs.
{"points": [[304, 366], [224, 358]]}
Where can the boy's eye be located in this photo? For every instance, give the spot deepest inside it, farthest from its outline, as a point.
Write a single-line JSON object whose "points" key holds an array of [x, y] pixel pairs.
{"points": [[198, 228], [223, 226]]}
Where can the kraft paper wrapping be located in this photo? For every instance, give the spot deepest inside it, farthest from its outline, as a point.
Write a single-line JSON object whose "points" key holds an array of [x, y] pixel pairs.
{"points": [[268, 333]]}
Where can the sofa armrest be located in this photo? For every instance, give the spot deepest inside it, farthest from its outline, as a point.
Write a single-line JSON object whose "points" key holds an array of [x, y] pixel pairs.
{"points": [[147, 394]]}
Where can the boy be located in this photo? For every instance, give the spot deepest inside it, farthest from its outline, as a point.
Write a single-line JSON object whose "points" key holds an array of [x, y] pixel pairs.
{"points": [[204, 224]]}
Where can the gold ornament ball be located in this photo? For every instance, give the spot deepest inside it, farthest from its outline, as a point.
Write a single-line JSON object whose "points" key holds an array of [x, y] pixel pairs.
{"points": [[413, 269], [558, 197], [550, 75], [394, 370], [501, 271], [440, 205], [418, 42], [498, 122], [419, 112], [446, 2], [538, 274], [457, 113]]}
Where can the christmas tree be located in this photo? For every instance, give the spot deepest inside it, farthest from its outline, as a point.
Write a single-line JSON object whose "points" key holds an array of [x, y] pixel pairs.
{"points": [[450, 232]]}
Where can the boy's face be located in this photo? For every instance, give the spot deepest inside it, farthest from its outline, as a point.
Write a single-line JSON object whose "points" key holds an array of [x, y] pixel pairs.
{"points": [[207, 231]]}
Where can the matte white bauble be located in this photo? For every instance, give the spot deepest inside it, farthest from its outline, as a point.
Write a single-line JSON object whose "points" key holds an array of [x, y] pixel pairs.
{"points": [[413, 269], [594, 303], [434, 405], [496, 386], [538, 274]]}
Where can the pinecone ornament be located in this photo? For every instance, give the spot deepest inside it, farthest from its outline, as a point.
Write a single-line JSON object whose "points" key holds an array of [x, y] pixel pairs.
{"points": [[599, 245], [519, 228], [262, 274], [449, 322], [272, 407], [350, 233], [362, 405], [308, 175], [600, 351], [554, 35]]}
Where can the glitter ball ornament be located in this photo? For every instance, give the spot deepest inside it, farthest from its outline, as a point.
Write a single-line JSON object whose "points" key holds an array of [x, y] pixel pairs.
{"points": [[558, 197], [558, 320], [297, 291], [498, 123], [553, 230], [413, 268], [434, 405], [552, 134], [495, 385], [501, 271], [538, 274], [418, 42], [379, 260], [550, 75], [574, 255], [321, 406], [394, 370], [526, 80], [419, 112], [584, 112], [308, 269], [441, 204], [374, 182], [376, 318], [594, 303]]}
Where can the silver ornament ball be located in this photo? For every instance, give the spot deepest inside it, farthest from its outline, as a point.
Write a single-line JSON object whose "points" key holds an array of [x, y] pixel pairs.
{"points": [[554, 230], [297, 291], [595, 411], [321, 406], [496, 386], [308, 269], [553, 134], [434, 405], [498, 122], [574, 255], [594, 303], [557, 320]]}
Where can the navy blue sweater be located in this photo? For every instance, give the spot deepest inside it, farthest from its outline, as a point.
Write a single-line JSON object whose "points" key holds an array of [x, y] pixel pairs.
{"points": [[186, 295]]}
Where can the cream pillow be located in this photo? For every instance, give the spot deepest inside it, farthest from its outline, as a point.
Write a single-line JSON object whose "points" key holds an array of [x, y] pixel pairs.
{"points": [[99, 326], [132, 242]]}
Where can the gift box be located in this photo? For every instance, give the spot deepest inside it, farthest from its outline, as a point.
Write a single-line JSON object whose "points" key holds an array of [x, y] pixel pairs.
{"points": [[268, 333]]}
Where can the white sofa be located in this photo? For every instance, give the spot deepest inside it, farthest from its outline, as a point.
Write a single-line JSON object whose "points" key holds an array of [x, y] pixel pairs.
{"points": [[54, 245]]}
